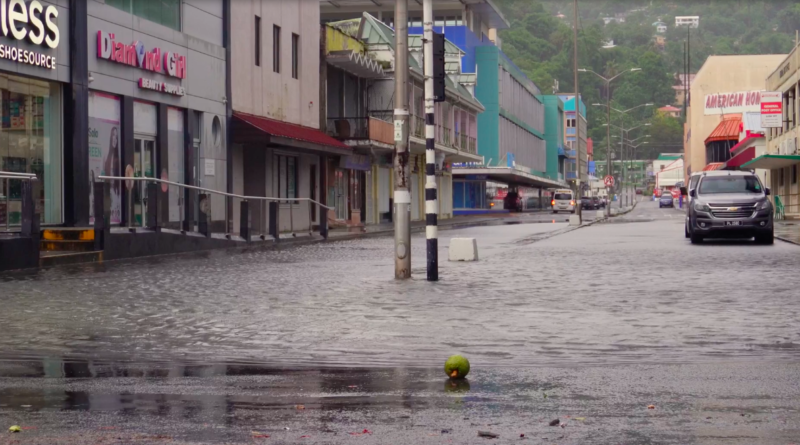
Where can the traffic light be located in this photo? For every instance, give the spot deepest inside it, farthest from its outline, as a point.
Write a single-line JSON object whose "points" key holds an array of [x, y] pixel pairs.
{"points": [[438, 67]]}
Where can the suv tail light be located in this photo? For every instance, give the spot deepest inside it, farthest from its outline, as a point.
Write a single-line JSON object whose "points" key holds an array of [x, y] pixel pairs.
{"points": [[572, 203], [553, 202]]}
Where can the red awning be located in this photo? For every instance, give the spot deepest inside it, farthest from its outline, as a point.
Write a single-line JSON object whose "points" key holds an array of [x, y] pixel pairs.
{"points": [[294, 132], [746, 141], [746, 155], [713, 166], [727, 130]]}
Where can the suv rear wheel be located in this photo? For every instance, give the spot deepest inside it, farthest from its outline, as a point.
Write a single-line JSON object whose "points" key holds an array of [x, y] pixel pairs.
{"points": [[766, 238]]}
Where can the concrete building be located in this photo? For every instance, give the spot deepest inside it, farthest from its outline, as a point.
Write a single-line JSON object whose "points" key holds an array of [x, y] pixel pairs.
{"points": [[575, 140], [279, 148], [110, 88], [360, 98], [781, 157], [723, 89], [554, 136], [481, 17]]}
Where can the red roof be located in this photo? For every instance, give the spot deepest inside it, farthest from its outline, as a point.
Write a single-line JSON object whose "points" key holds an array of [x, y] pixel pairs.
{"points": [[669, 108], [713, 166], [727, 130], [290, 131]]}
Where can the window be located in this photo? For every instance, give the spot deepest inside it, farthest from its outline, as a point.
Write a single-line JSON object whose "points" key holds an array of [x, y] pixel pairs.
{"points": [[295, 56], [794, 174], [276, 48], [30, 142], [163, 12], [781, 177], [258, 41], [730, 184], [287, 176]]}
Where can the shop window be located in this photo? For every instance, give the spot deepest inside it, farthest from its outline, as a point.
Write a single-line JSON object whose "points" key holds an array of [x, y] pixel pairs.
{"points": [[30, 142], [794, 174], [163, 12], [781, 177], [286, 176], [295, 56], [105, 134]]}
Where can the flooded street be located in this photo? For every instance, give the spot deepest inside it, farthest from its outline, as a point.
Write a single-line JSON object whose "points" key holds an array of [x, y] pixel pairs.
{"points": [[595, 323]]}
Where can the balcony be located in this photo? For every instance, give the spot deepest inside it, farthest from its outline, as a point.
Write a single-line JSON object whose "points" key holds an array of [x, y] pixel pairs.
{"points": [[419, 126], [570, 131], [361, 128], [571, 154], [572, 175], [466, 143]]}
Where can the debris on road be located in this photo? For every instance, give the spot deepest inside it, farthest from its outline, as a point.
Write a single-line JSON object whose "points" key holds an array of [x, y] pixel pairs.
{"points": [[366, 431], [300, 407], [555, 422], [15, 429], [488, 434], [651, 407]]}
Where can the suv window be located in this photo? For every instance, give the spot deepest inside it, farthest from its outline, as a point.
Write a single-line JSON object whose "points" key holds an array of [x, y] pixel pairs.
{"points": [[563, 197], [730, 184], [693, 182]]}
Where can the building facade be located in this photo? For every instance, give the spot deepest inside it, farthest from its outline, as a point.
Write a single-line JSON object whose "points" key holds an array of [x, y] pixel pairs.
{"points": [[555, 123], [279, 148], [109, 88], [780, 160], [724, 88]]}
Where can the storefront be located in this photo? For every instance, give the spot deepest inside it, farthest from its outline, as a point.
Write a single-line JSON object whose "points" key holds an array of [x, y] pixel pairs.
{"points": [[780, 161], [34, 69], [156, 108]]}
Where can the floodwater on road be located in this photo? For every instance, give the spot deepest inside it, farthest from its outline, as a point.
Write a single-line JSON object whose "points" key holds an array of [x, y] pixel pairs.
{"points": [[605, 294]]}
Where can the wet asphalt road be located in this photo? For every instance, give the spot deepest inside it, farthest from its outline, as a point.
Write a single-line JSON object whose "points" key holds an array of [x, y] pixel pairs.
{"points": [[590, 326]]}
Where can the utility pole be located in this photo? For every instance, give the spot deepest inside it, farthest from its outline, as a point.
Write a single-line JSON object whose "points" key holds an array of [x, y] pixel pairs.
{"points": [[402, 197], [431, 201], [608, 145], [578, 207]]}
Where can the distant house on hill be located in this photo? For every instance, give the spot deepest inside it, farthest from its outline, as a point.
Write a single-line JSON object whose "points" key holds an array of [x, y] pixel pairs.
{"points": [[670, 111]]}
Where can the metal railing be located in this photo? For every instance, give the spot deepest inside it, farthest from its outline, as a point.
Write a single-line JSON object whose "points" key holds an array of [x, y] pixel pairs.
{"points": [[5, 197], [201, 200]]}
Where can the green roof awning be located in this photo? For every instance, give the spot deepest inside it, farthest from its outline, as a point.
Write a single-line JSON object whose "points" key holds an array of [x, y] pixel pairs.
{"points": [[770, 162]]}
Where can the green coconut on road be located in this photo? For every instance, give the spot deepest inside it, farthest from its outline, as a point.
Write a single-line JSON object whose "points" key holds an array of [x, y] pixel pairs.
{"points": [[456, 367]]}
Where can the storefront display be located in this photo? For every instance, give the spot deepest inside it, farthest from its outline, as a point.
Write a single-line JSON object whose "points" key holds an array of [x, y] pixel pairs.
{"points": [[30, 142], [104, 148]]}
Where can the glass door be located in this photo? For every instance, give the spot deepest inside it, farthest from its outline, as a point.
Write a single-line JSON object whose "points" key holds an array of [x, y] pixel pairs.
{"points": [[143, 166]]}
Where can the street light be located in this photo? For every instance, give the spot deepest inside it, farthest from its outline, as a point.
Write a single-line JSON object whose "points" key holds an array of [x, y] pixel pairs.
{"points": [[608, 113], [622, 144]]}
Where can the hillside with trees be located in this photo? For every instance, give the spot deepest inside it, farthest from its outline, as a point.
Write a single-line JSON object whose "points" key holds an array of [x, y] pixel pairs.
{"points": [[540, 43]]}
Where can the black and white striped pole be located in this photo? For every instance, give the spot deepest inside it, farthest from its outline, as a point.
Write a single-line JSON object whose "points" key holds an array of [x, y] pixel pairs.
{"points": [[431, 202]]}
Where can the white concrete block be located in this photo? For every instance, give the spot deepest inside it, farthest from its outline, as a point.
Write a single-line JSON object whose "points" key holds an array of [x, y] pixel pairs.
{"points": [[574, 220], [601, 214], [614, 212], [463, 249]]}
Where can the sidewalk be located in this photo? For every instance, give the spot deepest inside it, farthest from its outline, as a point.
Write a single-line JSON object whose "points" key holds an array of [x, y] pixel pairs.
{"points": [[444, 224], [788, 230]]}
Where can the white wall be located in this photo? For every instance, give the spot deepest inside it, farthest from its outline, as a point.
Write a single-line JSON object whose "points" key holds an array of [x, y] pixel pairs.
{"points": [[257, 89]]}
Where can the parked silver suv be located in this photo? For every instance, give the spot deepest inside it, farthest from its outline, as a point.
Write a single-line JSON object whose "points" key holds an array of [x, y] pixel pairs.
{"points": [[729, 204]]}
